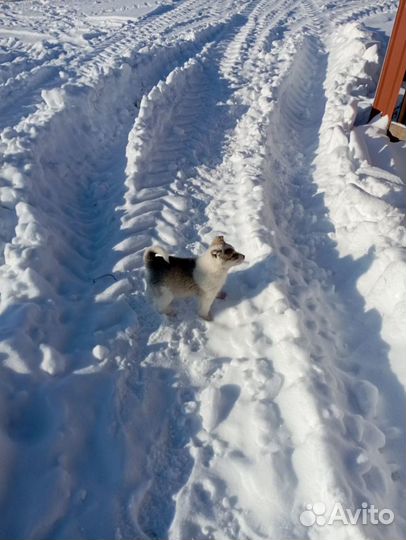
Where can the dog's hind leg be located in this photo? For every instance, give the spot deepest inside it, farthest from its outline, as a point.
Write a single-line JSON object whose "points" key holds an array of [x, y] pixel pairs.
{"points": [[163, 300]]}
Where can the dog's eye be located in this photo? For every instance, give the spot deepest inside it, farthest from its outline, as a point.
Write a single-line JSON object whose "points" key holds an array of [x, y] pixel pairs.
{"points": [[228, 251]]}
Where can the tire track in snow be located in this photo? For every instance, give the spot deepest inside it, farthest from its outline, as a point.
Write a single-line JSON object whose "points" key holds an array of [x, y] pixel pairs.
{"points": [[214, 503], [178, 118], [25, 91], [263, 24], [145, 169], [346, 13], [164, 139], [322, 314], [80, 250]]}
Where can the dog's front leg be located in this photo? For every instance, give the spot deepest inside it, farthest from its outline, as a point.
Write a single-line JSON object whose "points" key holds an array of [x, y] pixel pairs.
{"points": [[205, 303]]}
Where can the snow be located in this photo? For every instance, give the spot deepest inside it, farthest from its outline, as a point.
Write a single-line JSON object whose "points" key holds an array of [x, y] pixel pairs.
{"points": [[127, 124]]}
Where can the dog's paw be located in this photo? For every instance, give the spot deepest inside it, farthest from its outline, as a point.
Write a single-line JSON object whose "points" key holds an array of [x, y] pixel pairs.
{"points": [[221, 295], [207, 317]]}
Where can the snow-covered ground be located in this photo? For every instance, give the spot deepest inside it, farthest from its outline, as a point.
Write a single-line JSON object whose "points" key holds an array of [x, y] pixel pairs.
{"points": [[124, 124]]}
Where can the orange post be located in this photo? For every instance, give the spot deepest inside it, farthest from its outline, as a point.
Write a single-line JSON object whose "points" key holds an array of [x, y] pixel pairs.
{"points": [[394, 67]]}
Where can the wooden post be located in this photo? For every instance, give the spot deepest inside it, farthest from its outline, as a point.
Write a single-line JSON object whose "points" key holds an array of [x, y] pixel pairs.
{"points": [[393, 69]]}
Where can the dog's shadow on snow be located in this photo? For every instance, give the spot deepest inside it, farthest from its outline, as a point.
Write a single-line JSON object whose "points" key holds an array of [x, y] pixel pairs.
{"points": [[247, 282]]}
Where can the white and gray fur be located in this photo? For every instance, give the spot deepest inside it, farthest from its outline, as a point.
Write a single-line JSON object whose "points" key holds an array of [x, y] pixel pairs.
{"points": [[175, 277]]}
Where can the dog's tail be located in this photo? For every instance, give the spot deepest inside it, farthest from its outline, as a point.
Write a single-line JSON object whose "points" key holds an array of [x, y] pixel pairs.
{"points": [[150, 253]]}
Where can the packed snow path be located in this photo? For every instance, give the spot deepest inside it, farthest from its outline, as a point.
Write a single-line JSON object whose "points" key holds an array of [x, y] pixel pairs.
{"points": [[197, 118]]}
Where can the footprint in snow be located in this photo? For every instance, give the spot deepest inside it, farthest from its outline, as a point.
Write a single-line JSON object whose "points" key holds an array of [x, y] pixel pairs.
{"points": [[220, 404], [30, 419]]}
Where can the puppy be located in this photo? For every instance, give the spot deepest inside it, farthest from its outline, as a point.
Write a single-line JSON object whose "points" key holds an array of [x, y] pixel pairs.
{"points": [[174, 277]]}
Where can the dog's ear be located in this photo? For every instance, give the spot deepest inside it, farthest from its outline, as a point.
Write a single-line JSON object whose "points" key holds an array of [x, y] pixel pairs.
{"points": [[218, 241], [215, 252]]}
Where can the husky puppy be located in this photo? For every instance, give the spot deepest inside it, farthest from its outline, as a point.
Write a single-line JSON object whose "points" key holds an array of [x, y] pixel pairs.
{"points": [[174, 277]]}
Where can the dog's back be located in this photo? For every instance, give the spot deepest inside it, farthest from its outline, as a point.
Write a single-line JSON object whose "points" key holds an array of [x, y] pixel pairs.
{"points": [[175, 273]]}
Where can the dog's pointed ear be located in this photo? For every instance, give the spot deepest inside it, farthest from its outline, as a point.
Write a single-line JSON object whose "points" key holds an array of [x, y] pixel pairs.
{"points": [[218, 241]]}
